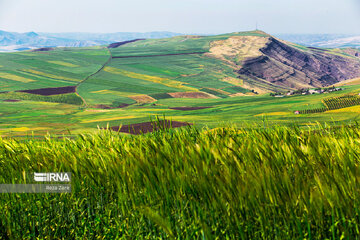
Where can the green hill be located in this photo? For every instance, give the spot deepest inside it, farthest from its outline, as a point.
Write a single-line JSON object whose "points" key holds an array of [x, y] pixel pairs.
{"points": [[229, 74]]}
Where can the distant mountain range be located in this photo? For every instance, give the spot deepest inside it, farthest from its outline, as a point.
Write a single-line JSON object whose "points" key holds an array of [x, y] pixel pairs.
{"points": [[12, 41], [323, 40], [110, 37]]}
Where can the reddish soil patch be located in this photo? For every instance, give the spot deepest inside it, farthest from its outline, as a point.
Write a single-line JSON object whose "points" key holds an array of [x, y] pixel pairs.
{"points": [[188, 108], [103, 106], [143, 99], [118, 44], [51, 91], [146, 127], [191, 95], [11, 100], [46, 49]]}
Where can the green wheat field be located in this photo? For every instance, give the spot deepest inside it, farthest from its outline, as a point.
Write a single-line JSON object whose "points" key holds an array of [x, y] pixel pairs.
{"points": [[247, 167], [254, 183]]}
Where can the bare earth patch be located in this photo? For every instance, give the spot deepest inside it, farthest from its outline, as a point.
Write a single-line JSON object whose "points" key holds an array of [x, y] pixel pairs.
{"points": [[349, 82], [51, 91], [237, 94], [193, 36], [192, 95], [96, 110], [146, 127], [11, 100], [103, 106], [143, 99], [238, 48], [352, 52]]}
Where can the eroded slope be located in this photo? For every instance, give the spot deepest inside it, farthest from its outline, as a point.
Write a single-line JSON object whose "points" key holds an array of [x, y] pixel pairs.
{"points": [[266, 63]]}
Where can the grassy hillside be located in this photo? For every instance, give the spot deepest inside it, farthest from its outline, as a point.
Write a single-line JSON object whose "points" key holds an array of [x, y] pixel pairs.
{"points": [[180, 44], [56, 68], [258, 183], [148, 67], [139, 80], [124, 78]]}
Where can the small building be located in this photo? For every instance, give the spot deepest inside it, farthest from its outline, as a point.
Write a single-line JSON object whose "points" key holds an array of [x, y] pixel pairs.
{"points": [[313, 91]]}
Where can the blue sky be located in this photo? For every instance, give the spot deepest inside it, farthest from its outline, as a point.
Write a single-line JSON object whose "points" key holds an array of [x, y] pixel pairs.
{"points": [[185, 16]]}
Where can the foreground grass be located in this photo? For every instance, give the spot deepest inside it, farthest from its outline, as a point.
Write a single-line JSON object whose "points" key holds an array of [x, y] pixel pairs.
{"points": [[278, 183]]}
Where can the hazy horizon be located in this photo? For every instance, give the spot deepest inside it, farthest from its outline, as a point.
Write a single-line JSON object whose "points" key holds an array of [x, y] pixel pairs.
{"points": [[186, 17], [218, 33]]}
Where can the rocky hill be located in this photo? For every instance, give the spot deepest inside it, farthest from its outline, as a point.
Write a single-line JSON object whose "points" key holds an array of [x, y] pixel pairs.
{"points": [[265, 62]]}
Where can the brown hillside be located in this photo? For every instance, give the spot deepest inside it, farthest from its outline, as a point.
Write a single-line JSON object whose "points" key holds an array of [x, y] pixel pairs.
{"points": [[267, 63]]}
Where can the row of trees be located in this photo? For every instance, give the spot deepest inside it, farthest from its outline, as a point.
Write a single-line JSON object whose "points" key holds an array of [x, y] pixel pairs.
{"points": [[341, 102], [333, 103], [316, 110]]}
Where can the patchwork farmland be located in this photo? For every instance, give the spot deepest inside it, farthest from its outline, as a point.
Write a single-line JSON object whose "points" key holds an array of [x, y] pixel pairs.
{"points": [[179, 139], [189, 79]]}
